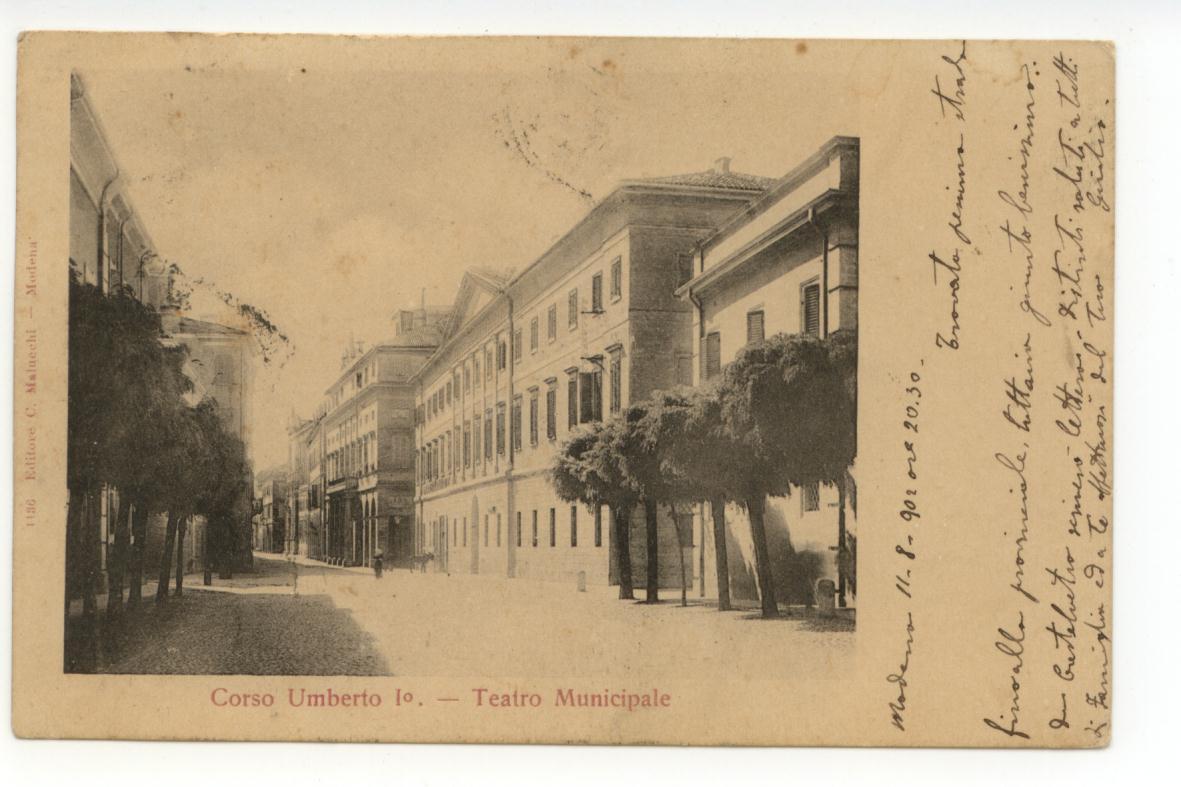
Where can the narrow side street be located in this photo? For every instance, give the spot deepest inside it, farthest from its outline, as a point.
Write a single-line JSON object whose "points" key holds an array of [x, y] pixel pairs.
{"points": [[306, 618]]}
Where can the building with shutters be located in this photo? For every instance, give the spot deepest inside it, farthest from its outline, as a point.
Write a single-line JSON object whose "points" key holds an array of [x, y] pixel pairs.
{"points": [[528, 358], [787, 263], [359, 452]]}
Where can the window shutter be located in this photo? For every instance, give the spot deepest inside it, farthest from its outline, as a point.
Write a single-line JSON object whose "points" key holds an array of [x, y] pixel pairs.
{"points": [[755, 331], [586, 411], [812, 309], [713, 355]]}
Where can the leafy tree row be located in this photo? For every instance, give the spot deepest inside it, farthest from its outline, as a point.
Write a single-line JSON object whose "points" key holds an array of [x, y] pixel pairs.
{"points": [[131, 428], [782, 415]]}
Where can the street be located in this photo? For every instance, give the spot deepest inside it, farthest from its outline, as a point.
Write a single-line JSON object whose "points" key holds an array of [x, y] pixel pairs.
{"points": [[305, 618]]}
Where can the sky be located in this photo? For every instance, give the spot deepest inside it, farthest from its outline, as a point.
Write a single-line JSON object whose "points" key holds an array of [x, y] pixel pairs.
{"points": [[331, 187]]}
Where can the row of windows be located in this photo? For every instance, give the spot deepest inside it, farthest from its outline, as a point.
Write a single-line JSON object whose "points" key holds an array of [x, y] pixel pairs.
{"points": [[711, 356], [459, 531], [584, 404], [469, 375]]}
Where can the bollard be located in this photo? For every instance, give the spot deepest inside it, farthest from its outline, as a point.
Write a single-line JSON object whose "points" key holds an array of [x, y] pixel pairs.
{"points": [[826, 598], [581, 581]]}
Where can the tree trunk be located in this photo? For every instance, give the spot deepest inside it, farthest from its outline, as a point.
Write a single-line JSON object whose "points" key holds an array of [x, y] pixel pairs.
{"points": [[718, 509], [117, 564], [841, 547], [75, 517], [139, 533], [166, 558], [652, 533], [180, 556], [755, 506], [91, 557], [672, 510], [621, 538]]}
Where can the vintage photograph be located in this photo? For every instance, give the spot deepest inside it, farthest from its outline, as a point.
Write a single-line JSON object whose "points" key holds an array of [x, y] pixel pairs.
{"points": [[383, 374], [634, 391]]}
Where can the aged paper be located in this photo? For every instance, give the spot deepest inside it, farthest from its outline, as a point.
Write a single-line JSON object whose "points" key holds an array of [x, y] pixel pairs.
{"points": [[708, 392]]}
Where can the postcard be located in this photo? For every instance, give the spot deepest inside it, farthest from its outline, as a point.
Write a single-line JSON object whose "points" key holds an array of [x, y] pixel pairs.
{"points": [[564, 390]]}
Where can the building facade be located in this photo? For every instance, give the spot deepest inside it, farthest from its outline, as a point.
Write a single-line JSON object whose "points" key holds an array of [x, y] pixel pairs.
{"points": [[271, 502], [785, 264], [587, 328], [362, 489]]}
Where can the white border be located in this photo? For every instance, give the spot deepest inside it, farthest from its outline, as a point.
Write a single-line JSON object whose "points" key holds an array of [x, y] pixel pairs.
{"points": [[1148, 45]]}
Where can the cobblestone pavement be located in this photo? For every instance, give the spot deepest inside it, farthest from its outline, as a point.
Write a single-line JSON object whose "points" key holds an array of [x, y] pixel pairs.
{"points": [[256, 624], [305, 618]]}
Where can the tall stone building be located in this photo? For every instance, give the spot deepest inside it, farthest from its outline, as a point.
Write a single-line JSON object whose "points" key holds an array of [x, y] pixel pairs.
{"points": [[587, 328], [362, 489]]}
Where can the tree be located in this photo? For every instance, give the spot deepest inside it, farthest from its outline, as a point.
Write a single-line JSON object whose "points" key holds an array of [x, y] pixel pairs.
{"points": [[787, 402], [697, 451], [584, 471], [629, 445], [185, 466], [120, 377]]}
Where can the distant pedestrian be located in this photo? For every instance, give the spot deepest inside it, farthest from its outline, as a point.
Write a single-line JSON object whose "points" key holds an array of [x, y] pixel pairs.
{"points": [[377, 565]]}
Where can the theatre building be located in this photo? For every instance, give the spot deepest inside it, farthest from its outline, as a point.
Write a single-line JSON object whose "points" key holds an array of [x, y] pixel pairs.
{"points": [[592, 324], [787, 263]]}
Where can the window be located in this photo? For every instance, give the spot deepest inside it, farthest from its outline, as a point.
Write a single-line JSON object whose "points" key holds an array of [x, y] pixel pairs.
{"points": [[572, 400], [617, 278], [684, 268], [518, 528], [616, 381], [359, 380], [533, 333], [485, 530], [573, 526], [448, 397], [754, 327], [476, 440], [501, 355], [517, 346], [467, 444], [572, 310], [488, 363], [810, 308], [515, 424], [591, 396], [597, 293], [465, 531], [500, 429], [551, 411], [711, 359], [598, 526], [551, 322], [488, 435], [811, 497], [533, 417], [535, 528], [553, 527]]}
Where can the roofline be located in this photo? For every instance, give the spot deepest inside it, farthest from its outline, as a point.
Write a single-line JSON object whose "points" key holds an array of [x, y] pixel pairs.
{"points": [[628, 186], [789, 182], [375, 348]]}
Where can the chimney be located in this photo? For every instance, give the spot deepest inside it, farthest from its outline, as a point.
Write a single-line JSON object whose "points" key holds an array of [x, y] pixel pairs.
{"points": [[722, 165]]}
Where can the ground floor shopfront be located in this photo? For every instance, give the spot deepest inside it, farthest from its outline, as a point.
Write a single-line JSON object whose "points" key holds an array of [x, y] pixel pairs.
{"points": [[362, 521]]}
